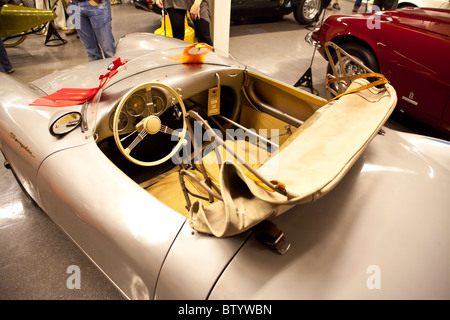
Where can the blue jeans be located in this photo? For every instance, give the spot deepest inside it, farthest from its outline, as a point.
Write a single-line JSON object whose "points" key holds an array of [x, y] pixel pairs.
{"points": [[93, 24]]}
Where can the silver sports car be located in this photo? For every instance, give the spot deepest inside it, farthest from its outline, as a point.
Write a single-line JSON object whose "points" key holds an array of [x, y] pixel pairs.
{"points": [[183, 174]]}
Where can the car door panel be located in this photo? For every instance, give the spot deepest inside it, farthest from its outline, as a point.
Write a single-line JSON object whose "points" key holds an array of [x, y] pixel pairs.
{"points": [[419, 60]]}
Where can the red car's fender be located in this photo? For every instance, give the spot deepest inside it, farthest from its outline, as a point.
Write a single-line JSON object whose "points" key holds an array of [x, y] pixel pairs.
{"points": [[412, 57]]}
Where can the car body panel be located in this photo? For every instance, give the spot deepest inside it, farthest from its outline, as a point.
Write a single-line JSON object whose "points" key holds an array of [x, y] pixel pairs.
{"points": [[418, 73], [27, 151], [126, 232], [359, 243], [146, 54], [436, 21], [198, 255]]}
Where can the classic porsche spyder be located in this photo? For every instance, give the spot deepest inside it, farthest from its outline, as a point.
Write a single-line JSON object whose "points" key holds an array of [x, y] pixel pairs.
{"points": [[183, 174], [386, 42]]}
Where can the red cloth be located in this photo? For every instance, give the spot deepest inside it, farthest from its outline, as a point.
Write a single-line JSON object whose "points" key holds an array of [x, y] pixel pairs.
{"points": [[74, 96]]}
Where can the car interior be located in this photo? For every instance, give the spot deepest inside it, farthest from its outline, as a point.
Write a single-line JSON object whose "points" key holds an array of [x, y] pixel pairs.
{"points": [[173, 142]]}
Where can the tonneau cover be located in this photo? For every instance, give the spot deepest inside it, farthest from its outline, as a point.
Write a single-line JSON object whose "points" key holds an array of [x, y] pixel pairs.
{"points": [[310, 164]]}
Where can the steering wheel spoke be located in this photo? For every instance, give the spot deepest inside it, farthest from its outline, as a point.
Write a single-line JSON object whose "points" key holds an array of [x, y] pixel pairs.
{"points": [[165, 129], [136, 140]]}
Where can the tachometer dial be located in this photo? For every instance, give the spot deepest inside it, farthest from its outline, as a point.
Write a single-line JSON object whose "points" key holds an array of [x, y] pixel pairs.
{"points": [[135, 105]]}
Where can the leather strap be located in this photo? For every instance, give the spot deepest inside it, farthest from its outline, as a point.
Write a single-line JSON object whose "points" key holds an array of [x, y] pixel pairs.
{"points": [[269, 234], [382, 80]]}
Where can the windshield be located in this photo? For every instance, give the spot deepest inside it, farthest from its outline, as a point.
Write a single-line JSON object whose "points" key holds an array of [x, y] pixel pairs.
{"points": [[120, 70], [89, 115]]}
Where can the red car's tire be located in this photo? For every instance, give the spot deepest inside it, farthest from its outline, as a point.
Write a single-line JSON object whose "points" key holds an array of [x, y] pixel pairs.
{"points": [[360, 52]]}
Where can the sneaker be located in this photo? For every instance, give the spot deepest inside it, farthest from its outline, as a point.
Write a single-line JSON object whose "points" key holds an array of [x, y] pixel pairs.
{"points": [[70, 32], [355, 9], [336, 6], [10, 71], [329, 7]]}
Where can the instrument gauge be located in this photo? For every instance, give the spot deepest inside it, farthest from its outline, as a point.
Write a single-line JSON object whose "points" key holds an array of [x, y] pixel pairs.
{"points": [[136, 105], [158, 104], [123, 121]]}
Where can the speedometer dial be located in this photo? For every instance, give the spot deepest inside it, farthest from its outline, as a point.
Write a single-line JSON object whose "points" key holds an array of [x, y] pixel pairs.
{"points": [[135, 105]]}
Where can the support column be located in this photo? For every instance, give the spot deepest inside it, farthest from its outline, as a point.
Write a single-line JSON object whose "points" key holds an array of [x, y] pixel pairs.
{"points": [[220, 25]]}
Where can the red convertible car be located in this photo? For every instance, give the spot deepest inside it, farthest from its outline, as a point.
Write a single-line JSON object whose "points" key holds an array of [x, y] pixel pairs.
{"points": [[410, 47]]}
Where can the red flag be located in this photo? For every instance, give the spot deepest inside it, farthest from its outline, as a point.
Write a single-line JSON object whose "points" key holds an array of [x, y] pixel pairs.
{"points": [[74, 96]]}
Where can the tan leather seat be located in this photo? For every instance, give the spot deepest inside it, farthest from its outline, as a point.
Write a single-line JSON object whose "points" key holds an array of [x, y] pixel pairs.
{"points": [[168, 189]]}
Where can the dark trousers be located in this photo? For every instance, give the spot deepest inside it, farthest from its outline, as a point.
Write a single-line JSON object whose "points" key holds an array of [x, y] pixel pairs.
{"points": [[177, 17], [386, 4], [383, 5], [5, 65]]}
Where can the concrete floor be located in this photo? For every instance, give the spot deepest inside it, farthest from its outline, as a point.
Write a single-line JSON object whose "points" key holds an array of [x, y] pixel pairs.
{"points": [[35, 254]]}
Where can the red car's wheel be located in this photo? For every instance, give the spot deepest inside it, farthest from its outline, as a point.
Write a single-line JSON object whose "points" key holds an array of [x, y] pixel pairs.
{"points": [[361, 53]]}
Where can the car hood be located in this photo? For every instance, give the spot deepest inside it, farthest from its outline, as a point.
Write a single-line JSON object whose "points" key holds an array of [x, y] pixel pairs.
{"points": [[433, 20], [87, 75]]}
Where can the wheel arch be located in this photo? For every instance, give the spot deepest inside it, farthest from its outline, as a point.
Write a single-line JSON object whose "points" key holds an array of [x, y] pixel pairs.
{"points": [[406, 5], [344, 39]]}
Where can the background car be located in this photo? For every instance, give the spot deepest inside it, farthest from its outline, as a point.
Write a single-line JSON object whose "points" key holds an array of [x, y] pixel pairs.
{"points": [[305, 11], [410, 47]]}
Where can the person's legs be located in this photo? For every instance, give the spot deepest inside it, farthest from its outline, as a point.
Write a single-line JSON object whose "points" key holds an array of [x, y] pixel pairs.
{"points": [[101, 23], [177, 17], [202, 31], [357, 5], [377, 5], [390, 4], [336, 5], [39, 4], [81, 14], [5, 65], [60, 20]]}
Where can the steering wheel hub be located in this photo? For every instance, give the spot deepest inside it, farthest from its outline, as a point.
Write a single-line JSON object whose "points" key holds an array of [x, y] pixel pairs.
{"points": [[152, 124]]}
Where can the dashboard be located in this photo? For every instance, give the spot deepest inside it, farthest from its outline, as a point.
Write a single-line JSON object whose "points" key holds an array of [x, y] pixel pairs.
{"points": [[141, 104]]}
